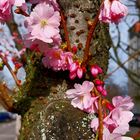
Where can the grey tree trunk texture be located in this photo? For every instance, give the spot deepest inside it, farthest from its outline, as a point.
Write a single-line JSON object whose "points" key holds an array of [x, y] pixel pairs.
{"points": [[47, 114]]}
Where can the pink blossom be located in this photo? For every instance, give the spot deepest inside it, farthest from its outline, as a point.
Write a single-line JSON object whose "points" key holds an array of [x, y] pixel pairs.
{"points": [[43, 24], [104, 92], [116, 123], [110, 136], [36, 45], [72, 75], [117, 116], [126, 138], [94, 107], [95, 70], [21, 4], [99, 82], [76, 70], [81, 96], [80, 72], [56, 59], [115, 134], [123, 102], [112, 11], [101, 89], [5, 10]]}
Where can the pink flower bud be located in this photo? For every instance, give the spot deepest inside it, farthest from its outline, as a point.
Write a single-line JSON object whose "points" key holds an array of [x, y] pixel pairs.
{"points": [[100, 71], [72, 75], [99, 82], [73, 67], [100, 88], [74, 49], [104, 92], [80, 72], [94, 71]]}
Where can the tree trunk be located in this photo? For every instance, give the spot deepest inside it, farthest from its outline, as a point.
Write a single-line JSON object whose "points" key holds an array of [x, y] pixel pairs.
{"points": [[47, 114]]}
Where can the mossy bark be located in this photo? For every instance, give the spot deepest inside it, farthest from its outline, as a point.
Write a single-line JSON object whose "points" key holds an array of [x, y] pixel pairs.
{"points": [[47, 115]]}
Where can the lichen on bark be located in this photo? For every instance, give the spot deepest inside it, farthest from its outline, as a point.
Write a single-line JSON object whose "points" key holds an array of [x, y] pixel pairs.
{"points": [[44, 89]]}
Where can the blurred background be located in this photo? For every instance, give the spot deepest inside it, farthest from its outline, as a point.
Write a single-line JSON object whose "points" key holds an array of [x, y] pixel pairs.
{"points": [[123, 76], [124, 67]]}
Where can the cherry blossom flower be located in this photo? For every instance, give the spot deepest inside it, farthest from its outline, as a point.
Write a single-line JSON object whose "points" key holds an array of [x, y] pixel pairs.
{"points": [[95, 125], [36, 45], [123, 102], [43, 23], [113, 136], [94, 106], [57, 59], [116, 123], [5, 10], [112, 11], [117, 117], [81, 96]]}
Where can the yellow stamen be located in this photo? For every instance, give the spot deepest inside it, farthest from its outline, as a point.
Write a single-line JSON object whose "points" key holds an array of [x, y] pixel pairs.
{"points": [[43, 23]]}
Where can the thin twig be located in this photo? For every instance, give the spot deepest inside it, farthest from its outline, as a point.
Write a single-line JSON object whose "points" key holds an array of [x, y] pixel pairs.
{"points": [[64, 24], [100, 115], [100, 118], [134, 56], [10, 69], [13, 27], [89, 38]]}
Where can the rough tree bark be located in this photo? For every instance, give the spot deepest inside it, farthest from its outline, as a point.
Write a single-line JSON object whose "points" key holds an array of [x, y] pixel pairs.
{"points": [[47, 114]]}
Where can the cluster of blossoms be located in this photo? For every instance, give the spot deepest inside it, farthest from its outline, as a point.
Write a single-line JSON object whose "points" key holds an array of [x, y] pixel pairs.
{"points": [[115, 123], [44, 36], [5, 8], [83, 96], [57, 59]]}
